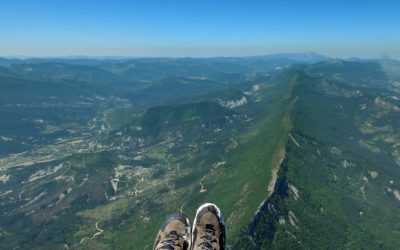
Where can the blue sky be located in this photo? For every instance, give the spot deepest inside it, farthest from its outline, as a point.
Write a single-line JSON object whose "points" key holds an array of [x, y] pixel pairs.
{"points": [[199, 28]]}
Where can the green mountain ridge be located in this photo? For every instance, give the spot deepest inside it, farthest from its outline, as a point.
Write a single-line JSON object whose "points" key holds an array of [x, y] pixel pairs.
{"points": [[299, 157], [335, 186]]}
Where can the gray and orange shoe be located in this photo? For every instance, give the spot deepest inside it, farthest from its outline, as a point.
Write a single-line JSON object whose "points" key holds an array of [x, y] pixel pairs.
{"points": [[174, 234], [208, 230]]}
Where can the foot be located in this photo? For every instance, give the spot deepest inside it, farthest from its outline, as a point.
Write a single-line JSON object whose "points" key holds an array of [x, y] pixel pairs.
{"points": [[208, 231], [174, 234]]}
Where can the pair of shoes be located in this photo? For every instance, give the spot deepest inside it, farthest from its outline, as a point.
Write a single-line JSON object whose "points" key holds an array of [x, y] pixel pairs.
{"points": [[207, 232]]}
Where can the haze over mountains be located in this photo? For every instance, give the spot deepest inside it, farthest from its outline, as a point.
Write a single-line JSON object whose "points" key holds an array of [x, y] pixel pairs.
{"points": [[300, 151]]}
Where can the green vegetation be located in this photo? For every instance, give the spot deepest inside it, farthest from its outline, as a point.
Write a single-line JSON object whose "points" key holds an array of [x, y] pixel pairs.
{"points": [[300, 157], [332, 192]]}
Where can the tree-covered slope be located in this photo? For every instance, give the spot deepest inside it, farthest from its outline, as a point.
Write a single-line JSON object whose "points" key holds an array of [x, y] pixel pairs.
{"points": [[299, 157], [338, 186]]}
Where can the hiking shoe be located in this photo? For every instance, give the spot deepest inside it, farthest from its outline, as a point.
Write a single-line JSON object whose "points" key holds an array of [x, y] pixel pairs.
{"points": [[208, 231], [174, 234]]}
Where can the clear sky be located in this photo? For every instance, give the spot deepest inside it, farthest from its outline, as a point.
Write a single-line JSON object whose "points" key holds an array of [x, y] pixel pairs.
{"points": [[364, 28]]}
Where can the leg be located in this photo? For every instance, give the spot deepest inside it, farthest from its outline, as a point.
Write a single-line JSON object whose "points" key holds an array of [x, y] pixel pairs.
{"points": [[208, 231], [174, 234]]}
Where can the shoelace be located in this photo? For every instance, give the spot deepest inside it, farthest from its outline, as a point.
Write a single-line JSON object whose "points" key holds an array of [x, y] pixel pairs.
{"points": [[170, 242], [208, 238]]}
